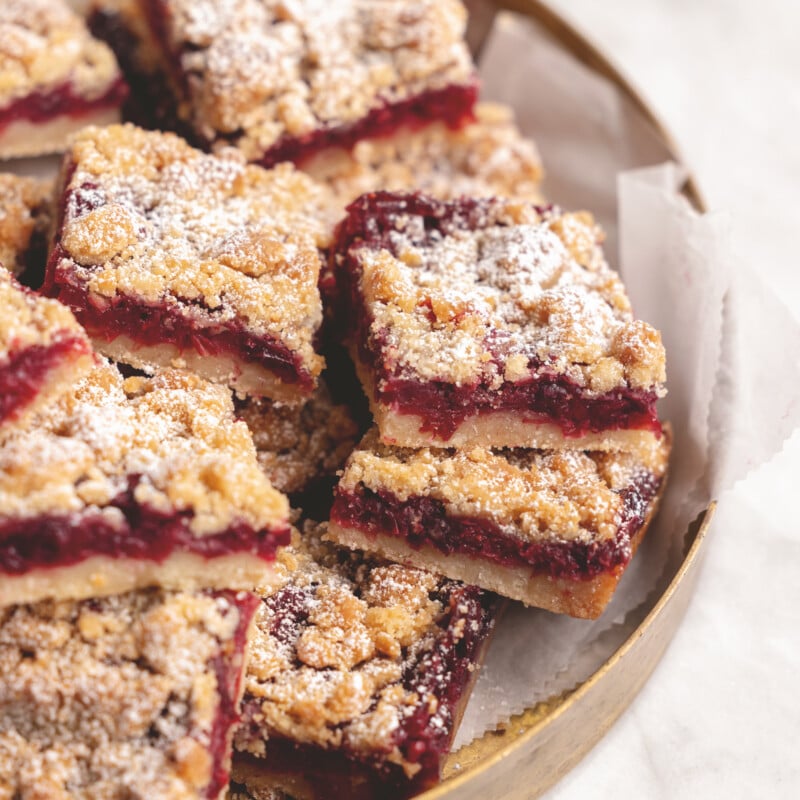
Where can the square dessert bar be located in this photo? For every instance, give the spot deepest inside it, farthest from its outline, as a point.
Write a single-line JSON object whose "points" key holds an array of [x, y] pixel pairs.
{"points": [[172, 257], [485, 158], [127, 484], [43, 351], [54, 77], [128, 696], [282, 81], [359, 672], [554, 529], [495, 323], [25, 216]]}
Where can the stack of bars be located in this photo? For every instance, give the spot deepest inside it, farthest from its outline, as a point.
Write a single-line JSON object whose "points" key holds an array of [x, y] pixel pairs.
{"points": [[202, 570]]}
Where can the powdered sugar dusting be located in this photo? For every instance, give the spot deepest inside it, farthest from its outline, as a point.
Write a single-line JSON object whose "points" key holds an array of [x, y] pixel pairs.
{"points": [[211, 238], [262, 70], [115, 697], [174, 436], [45, 44], [519, 291]]}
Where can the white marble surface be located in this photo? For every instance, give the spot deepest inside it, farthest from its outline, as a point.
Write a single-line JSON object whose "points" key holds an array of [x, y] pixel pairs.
{"points": [[720, 716]]}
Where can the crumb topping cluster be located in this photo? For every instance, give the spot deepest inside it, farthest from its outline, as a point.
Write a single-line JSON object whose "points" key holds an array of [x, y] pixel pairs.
{"points": [[214, 239], [45, 44], [298, 444], [256, 71], [114, 697], [24, 212], [173, 436], [28, 320], [486, 158], [331, 649], [565, 495], [523, 290]]}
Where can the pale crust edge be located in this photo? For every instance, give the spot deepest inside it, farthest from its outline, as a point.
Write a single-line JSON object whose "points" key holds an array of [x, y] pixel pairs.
{"points": [[22, 138], [585, 599], [242, 377], [101, 576], [494, 429]]}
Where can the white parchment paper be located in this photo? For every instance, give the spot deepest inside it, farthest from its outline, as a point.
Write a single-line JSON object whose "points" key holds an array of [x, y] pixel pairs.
{"points": [[733, 350]]}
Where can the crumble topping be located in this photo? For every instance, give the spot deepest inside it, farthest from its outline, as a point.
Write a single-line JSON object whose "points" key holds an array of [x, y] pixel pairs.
{"points": [[45, 44], [520, 290], [113, 697], [332, 648], [486, 158], [299, 444], [27, 319], [255, 71], [174, 435], [24, 216], [209, 236], [554, 494]]}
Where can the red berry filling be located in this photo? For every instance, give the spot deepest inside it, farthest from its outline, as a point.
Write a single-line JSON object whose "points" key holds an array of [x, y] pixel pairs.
{"points": [[44, 105], [229, 669], [145, 533], [27, 370], [545, 396], [424, 521]]}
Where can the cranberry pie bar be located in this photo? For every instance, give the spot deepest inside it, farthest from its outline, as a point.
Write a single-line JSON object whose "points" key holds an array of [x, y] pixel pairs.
{"points": [[169, 256], [129, 484], [554, 529], [25, 215], [282, 81], [494, 323], [42, 351], [128, 696], [359, 672], [54, 77]]}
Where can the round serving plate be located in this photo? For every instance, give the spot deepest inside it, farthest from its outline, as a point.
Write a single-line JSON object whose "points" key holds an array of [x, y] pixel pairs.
{"points": [[536, 748]]}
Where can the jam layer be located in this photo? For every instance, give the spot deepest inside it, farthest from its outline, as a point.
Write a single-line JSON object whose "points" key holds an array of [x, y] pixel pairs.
{"points": [[425, 521], [154, 325], [145, 533], [452, 105], [425, 734], [41, 106], [229, 669], [544, 397], [26, 372]]}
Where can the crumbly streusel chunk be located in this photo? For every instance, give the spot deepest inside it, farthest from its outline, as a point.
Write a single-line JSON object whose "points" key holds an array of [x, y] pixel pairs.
{"points": [[44, 44], [25, 211], [28, 320], [341, 656], [43, 351], [207, 240], [487, 158], [297, 445], [174, 435], [254, 72], [128, 696], [560, 495]]}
